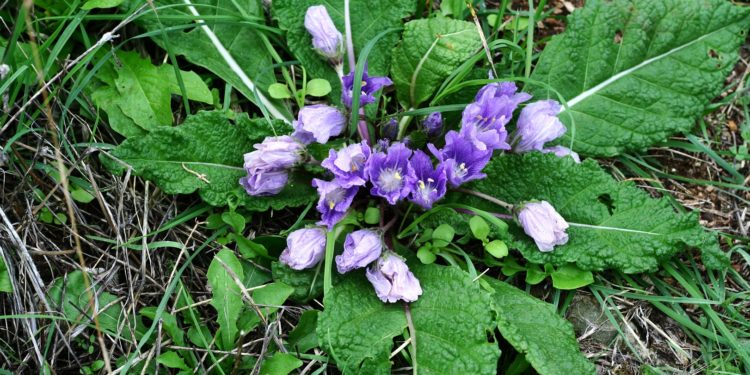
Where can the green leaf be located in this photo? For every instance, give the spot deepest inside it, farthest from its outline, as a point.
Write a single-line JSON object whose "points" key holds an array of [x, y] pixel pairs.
{"points": [[443, 235], [497, 248], [172, 360], [452, 319], [144, 94], [372, 215], [368, 19], [425, 255], [318, 87], [614, 225], [195, 88], [280, 364], [534, 329], [137, 95], [268, 300], [242, 39], [100, 4], [234, 220], [307, 284], [69, 295], [637, 71], [479, 227], [226, 296], [168, 321], [206, 154], [279, 91], [304, 337], [80, 195], [569, 277], [429, 51], [5, 284]]}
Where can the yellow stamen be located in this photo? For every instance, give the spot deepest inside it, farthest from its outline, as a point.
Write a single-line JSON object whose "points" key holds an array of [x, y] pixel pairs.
{"points": [[354, 167], [397, 176], [462, 166], [421, 184], [331, 204]]}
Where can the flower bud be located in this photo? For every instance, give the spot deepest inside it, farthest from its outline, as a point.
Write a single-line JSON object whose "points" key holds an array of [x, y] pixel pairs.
{"points": [[262, 182], [274, 153], [304, 248], [538, 124], [389, 130], [326, 39], [392, 279], [361, 248], [318, 123], [433, 124], [542, 223]]}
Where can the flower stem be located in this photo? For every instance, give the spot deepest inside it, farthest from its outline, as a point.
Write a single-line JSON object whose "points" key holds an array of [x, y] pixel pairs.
{"points": [[349, 43], [402, 124], [327, 271], [488, 198]]}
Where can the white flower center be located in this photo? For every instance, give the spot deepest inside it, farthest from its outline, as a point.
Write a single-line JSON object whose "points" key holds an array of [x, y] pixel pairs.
{"points": [[460, 170], [426, 189], [390, 179], [334, 197]]}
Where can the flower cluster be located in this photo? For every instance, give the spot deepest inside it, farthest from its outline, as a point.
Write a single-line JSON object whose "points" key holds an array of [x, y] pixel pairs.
{"points": [[392, 170]]}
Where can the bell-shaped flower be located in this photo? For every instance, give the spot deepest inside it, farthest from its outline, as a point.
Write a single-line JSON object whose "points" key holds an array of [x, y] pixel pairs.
{"points": [[348, 164], [429, 182], [361, 248], [460, 157], [561, 151], [537, 125], [318, 123], [370, 85], [334, 201], [543, 224], [263, 182], [392, 279], [486, 117], [326, 39], [388, 172], [304, 248]]}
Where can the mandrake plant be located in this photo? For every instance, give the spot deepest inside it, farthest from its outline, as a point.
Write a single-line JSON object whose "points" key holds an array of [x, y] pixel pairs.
{"points": [[425, 160]]}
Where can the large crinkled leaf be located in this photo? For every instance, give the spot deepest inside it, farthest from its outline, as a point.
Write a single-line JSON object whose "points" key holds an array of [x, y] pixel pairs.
{"points": [[636, 71], [451, 320], [206, 154], [226, 295], [429, 51], [239, 36], [368, 19], [624, 228], [535, 329]]}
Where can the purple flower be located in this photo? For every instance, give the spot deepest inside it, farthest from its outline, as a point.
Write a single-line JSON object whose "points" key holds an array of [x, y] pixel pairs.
{"points": [[389, 173], [542, 223], [326, 39], [275, 153], [334, 201], [562, 152], [462, 160], [318, 123], [348, 164], [304, 248], [429, 182], [433, 124], [361, 248], [537, 125], [264, 182], [369, 86], [485, 119], [392, 279]]}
